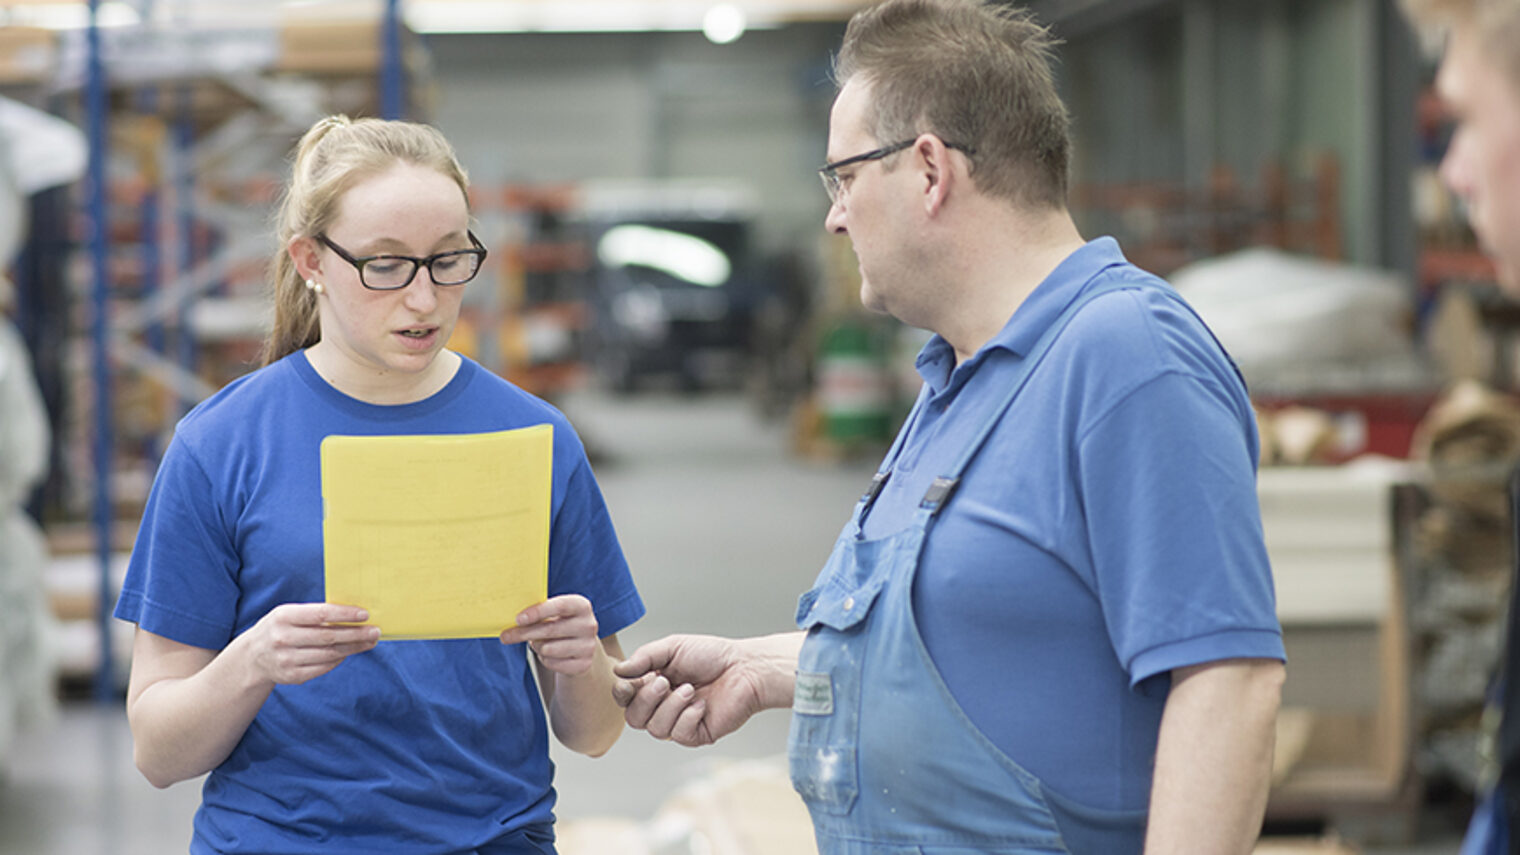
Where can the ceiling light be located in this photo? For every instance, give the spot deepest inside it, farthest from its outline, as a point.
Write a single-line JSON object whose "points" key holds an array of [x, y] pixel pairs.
{"points": [[593, 16], [70, 16], [723, 23]]}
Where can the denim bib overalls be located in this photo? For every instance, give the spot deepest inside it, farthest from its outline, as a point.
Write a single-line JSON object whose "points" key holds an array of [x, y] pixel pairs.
{"points": [[883, 755]]}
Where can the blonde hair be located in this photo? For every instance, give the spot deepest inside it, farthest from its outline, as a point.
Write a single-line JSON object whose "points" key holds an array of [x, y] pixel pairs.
{"points": [[1495, 22], [976, 74], [333, 156]]}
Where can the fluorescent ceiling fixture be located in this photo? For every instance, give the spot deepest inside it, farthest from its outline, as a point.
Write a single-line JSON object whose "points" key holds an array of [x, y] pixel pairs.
{"points": [[723, 24], [69, 16], [686, 257], [571, 16], [439, 16]]}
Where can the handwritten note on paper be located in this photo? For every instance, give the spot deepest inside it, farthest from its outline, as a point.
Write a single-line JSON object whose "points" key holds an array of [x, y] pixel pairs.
{"points": [[438, 536]]}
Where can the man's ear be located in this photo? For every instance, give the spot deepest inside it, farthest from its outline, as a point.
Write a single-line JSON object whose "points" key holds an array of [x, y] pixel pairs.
{"points": [[939, 173], [306, 256]]}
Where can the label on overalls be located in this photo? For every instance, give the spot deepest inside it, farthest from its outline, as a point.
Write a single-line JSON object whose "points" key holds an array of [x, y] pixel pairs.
{"points": [[814, 694]]}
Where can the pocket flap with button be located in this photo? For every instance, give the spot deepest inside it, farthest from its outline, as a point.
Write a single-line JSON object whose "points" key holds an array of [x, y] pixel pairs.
{"points": [[836, 606]]}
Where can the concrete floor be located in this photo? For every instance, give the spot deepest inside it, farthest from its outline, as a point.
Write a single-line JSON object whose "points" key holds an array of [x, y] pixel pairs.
{"points": [[723, 526]]}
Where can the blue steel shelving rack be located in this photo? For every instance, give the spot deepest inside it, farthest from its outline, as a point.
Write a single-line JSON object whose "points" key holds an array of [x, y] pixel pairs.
{"points": [[96, 91]]}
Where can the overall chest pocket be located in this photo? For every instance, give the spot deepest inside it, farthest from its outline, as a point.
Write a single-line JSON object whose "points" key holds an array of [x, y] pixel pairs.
{"points": [[825, 730]]}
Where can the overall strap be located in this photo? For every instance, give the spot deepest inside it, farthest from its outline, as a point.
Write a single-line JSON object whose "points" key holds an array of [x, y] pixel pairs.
{"points": [[943, 487], [879, 480]]}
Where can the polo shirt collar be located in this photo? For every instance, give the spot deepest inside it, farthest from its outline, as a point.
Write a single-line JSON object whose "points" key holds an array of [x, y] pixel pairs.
{"points": [[936, 362]]}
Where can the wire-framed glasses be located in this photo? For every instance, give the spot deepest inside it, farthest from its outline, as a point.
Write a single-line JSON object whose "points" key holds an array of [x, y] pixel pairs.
{"points": [[394, 272], [829, 172]]}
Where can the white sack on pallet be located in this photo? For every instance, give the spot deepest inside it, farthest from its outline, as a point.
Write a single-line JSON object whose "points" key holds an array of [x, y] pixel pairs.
{"points": [[1270, 308], [23, 423], [42, 150], [26, 661], [36, 151], [742, 807]]}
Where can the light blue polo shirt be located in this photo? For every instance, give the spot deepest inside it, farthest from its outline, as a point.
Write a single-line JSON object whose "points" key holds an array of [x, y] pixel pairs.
{"points": [[1107, 533]]}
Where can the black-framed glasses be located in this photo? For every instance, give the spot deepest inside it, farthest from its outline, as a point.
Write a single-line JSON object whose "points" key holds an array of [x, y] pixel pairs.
{"points": [[394, 272], [829, 172]]}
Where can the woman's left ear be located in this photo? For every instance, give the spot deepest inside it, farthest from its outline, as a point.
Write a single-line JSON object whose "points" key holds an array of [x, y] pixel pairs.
{"points": [[305, 256]]}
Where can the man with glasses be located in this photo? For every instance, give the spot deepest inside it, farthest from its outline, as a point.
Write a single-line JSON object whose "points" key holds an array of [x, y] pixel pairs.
{"points": [[1049, 625]]}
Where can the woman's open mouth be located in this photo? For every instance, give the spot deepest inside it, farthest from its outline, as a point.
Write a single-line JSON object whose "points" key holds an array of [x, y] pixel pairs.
{"points": [[418, 338]]}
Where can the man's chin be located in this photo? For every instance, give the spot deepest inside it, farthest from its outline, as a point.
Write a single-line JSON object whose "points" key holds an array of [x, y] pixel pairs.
{"points": [[1506, 264], [871, 301], [1508, 275]]}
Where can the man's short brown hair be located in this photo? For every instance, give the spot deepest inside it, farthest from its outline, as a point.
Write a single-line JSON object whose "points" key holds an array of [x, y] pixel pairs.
{"points": [[975, 74]]}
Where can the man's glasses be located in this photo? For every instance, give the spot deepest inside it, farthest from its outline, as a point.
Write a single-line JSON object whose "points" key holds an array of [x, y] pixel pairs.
{"points": [[829, 172], [394, 272]]}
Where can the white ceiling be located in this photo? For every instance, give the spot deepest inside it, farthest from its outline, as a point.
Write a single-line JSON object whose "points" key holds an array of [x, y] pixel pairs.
{"points": [[436, 15]]}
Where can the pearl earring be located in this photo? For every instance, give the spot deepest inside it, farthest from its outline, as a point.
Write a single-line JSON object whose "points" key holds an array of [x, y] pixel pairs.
{"points": [[314, 286]]}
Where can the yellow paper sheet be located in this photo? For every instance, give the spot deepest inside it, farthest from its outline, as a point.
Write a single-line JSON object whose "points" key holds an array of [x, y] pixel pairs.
{"points": [[438, 536]]}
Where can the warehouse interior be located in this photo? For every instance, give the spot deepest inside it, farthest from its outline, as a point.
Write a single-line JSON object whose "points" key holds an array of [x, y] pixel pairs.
{"points": [[1277, 161]]}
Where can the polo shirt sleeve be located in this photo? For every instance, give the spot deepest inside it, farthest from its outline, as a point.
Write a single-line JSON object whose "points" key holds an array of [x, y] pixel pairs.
{"points": [[182, 580], [584, 555], [1169, 493]]}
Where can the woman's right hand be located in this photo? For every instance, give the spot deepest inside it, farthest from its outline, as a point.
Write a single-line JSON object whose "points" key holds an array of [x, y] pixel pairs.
{"points": [[188, 706], [297, 642]]}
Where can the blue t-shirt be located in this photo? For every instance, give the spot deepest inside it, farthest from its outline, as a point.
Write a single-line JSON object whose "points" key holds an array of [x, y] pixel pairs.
{"points": [[1108, 532], [415, 746]]}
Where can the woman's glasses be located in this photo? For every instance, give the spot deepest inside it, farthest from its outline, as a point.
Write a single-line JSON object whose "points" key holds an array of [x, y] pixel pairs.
{"points": [[394, 272]]}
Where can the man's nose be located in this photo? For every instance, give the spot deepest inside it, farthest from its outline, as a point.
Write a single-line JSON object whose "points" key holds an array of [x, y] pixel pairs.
{"points": [[833, 221]]}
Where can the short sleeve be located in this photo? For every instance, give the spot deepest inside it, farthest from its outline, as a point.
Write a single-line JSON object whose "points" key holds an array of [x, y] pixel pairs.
{"points": [[584, 555], [1169, 492], [182, 577]]}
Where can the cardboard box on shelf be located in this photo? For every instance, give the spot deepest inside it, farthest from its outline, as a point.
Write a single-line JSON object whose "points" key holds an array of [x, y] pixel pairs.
{"points": [[1345, 734], [27, 54], [330, 47]]}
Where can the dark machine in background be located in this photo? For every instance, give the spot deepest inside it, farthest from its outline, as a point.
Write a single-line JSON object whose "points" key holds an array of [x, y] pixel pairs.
{"points": [[674, 299]]}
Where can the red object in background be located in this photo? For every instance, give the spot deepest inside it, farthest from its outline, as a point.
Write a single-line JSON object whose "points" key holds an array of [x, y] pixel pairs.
{"points": [[1438, 266], [1367, 424]]}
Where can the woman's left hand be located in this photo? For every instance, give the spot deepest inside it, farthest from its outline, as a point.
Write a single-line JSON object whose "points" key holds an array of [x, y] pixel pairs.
{"points": [[561, 632]]}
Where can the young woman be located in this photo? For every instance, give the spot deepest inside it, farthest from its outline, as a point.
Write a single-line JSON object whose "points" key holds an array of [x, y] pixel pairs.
{"points": [[317, 738]]}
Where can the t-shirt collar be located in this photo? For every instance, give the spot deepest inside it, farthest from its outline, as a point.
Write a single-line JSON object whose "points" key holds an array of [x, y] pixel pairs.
{"points": [[936, 361]]}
